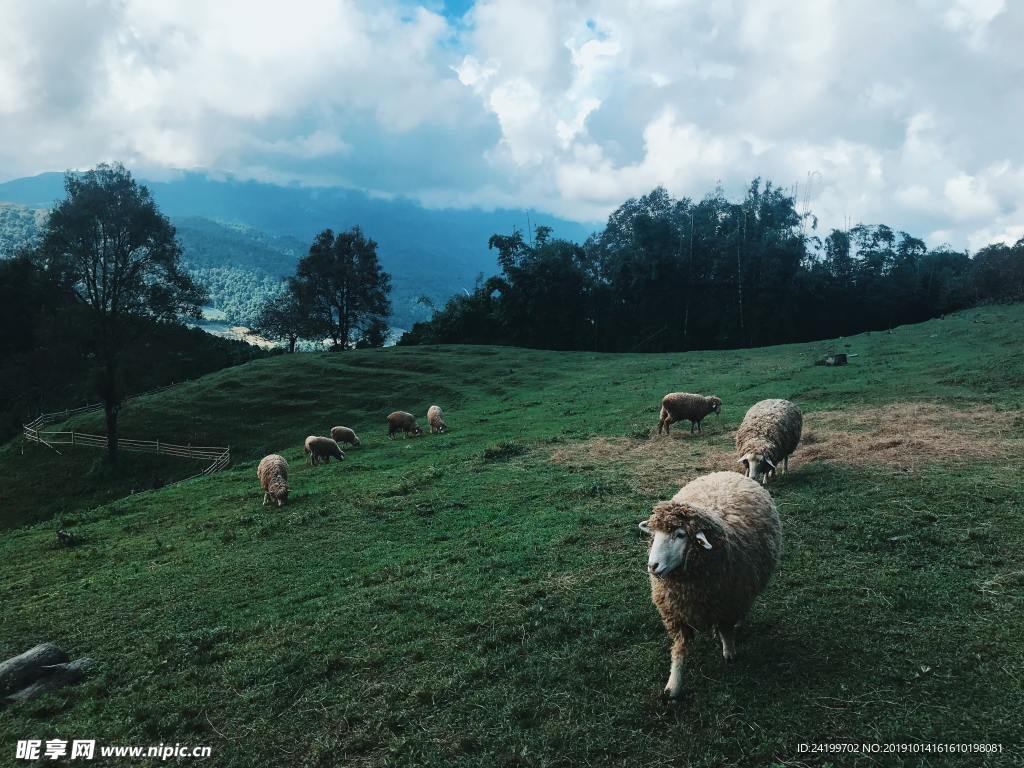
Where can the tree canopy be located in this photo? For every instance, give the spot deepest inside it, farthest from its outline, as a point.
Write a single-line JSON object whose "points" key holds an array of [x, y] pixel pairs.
{"points": [[671, 274], [108, 245], [342, 283]]}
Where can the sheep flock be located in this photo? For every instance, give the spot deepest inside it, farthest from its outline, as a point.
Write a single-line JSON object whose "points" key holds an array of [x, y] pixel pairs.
{"points": [[712, 547]]}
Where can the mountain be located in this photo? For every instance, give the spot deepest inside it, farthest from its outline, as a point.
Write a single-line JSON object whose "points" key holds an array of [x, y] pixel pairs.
{"points": [[263, 228]]}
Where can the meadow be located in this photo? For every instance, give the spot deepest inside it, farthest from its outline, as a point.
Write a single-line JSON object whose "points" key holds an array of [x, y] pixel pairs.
{"points": [[480, 597]]}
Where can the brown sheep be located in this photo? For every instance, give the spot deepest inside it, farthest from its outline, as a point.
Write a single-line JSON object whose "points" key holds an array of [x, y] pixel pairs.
{"points": [[321, 449], [344, 435], [713, 548], [402, 421], [684, 406], [273, 474]]}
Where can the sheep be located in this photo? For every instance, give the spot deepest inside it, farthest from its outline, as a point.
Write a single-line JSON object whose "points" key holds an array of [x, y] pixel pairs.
{"points": [[769, 433], [402, 421], [713, 548], [435, 418], [320, 449], [273, 474], [680, 406], [344, 435]]}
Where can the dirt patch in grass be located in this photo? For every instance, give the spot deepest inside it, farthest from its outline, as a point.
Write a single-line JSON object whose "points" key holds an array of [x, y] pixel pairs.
{"points": [[900, 436]]}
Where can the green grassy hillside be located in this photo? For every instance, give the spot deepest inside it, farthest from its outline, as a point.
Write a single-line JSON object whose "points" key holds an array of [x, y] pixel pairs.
{"points": [[479, 597]]}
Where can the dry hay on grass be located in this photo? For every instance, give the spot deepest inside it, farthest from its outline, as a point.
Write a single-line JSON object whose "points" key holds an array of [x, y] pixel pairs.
{"points": [[653, 462], [902, 436], [908, 435]]}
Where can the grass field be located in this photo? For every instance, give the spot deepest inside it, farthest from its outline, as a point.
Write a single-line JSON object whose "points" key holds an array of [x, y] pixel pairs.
{"points": [[480, 597]]}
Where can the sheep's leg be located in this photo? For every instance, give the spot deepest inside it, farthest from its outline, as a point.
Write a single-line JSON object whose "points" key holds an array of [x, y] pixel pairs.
{"points": [[674, 687], [266, 497], [785, 466], [728, 636], [700, 429]]}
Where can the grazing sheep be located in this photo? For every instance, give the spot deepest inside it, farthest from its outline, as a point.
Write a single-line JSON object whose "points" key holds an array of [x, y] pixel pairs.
{"points": [[684, 406], [273, 475], [320, 449], [344, 435], [713, 548], [770, 432], [402, 421], [435, 418]]}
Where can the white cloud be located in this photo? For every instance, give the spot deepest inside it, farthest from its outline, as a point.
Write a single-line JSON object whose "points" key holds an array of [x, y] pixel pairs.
{"points": [[973, 17], [904, 113]]}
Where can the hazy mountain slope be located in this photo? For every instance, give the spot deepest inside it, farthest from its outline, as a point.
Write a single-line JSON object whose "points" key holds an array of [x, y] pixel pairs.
{"points": [[436, 252], [18, 226]]}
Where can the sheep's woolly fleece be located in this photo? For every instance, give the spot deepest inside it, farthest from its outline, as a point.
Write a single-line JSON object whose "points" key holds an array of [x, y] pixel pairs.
{"points": [[273, 476], [903, 436], [741, 518]]}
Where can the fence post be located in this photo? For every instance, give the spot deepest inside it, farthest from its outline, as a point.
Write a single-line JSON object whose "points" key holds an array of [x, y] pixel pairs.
{"points": [[158, 446], [72, 437]]}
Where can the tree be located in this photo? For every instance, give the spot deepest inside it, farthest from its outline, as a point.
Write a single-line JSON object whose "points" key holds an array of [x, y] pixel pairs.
{"points": [[347, 288], [375, 335], [108, 243], [285, 316]]}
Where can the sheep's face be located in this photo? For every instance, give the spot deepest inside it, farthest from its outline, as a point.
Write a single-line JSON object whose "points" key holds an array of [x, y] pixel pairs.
{"points": [[716, 405], [280, 494], [417, 431], [757, 466], [674, 544]]}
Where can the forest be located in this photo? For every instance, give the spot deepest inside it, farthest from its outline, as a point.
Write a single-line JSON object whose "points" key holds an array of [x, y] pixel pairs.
{"points": [[670, 274]]}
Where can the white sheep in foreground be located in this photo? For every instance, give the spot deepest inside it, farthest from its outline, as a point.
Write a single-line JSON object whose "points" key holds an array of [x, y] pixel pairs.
{"points": [[713, 548], [769, 433], [435, 418], [344, 435], [321, 449], [685, 406], [273, 475]]}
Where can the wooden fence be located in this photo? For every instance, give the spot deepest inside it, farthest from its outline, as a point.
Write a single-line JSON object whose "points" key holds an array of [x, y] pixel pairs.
{"points": [[35, 432]]}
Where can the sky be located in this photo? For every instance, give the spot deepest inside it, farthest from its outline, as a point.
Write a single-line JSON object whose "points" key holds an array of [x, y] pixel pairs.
{"points": [[906, 113]]}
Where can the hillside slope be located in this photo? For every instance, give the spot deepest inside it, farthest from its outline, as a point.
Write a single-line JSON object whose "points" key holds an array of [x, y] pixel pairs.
{"points": [[479, 597], [19, 227]]}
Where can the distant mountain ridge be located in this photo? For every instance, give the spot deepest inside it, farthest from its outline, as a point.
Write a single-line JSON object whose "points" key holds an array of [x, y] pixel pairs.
{"points": [[264, 228]]}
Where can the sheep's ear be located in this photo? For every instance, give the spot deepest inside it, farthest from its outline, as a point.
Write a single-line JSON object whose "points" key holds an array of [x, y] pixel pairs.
{"points": [[769, 462], [644, 526], [703, 540], [742, 461]]}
